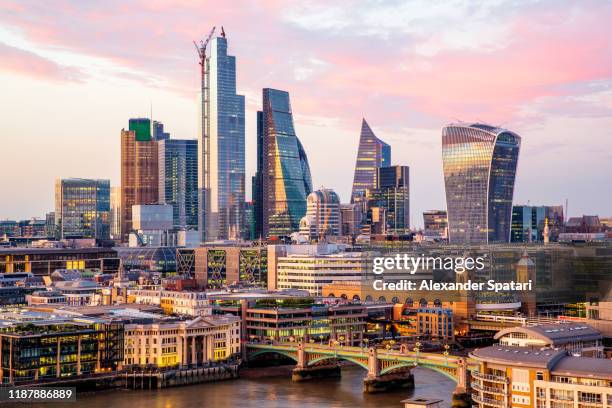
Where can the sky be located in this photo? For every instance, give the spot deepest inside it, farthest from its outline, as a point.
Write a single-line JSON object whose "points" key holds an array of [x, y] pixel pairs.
{"points": [[73, 72]]}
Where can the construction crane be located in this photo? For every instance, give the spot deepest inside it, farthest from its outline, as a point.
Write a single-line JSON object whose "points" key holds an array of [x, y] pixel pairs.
{"points": [[204, 175], [202, 47]]}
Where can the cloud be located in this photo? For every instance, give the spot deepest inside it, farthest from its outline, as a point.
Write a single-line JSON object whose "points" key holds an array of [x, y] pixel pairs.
{"points": [[22, 62]]}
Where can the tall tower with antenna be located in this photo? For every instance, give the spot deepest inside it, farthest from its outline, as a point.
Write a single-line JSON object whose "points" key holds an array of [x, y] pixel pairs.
{"points": [[221, 145]]}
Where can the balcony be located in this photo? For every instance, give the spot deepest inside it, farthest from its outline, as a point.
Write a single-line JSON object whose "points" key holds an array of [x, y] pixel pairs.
{"points": [[490, 377], [490, 390], [487, 402]]}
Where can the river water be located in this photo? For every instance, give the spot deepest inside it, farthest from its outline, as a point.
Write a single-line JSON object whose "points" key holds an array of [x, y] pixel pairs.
{"points": [[278, 391]]}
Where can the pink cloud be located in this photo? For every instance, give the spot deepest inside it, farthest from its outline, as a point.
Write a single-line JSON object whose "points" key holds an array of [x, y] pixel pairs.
{"points": [[546, 47], [23, 62]]}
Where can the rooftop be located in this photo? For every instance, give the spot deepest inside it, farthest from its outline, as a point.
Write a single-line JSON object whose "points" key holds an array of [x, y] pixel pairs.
{"points": [[519, 356], [555, 333]]}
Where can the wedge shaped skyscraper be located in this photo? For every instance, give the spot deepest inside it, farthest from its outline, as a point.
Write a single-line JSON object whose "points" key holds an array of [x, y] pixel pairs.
{"points": [[373, 153], [479, 163]]}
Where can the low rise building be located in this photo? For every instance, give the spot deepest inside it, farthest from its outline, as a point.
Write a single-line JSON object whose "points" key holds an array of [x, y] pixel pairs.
{"points": [[510, 376], [184, 343], [579, 339], [185, 303], [38, 345]]}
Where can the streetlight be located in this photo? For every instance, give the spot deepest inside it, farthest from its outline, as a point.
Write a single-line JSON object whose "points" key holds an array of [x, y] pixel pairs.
{"points": [[446, 353], [417, 347], [321, 337]]}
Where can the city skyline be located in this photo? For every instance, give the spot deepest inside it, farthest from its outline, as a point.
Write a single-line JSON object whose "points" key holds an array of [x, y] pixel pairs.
{"points": [[559, 103]]}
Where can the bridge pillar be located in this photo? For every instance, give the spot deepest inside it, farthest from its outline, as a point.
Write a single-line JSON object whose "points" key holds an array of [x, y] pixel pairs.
{"points": [[462, 397], [302, 372], [375, 382]]}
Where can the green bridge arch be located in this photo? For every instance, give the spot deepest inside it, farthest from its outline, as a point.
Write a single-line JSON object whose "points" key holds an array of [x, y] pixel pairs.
{"points": [[265, 351], [402, 364], [323, 358]]}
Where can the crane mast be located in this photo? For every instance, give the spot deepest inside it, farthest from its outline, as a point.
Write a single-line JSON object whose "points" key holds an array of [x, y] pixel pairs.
{"points": [[204, 154]]}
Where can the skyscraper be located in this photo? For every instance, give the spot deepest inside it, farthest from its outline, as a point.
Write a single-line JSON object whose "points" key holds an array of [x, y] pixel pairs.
{"points": [[479, 163], [257, 181], [392, 193], [82, 208], [139, 170], [220, 146], [372, 154], [178, 180], [322, 219], [286, 180]]}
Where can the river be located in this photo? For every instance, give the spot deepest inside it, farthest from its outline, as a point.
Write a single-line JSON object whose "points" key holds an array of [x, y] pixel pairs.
{"points": [[272, 392]]}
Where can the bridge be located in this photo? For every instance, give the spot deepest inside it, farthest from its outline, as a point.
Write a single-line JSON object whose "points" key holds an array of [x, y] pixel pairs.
{"points": [[384, 367]]}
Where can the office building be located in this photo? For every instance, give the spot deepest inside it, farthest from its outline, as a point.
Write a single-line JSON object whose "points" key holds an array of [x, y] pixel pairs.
{"points": [[158, 131], [257, 181], [371, 154], [435, 223], [220, 265], [178, 180], [139, 170], [309, 267], [286, 180], [479, 163], [392, 193], [82, 208], [511, 376], [350, 216], [528, 223], [322, 219], [152, 225], [291, 318], [43, 261], [221, 182], [37, 346]]}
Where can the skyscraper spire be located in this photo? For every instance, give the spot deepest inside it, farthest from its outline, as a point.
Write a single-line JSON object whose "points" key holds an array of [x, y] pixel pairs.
{"points": [[372, 154]]}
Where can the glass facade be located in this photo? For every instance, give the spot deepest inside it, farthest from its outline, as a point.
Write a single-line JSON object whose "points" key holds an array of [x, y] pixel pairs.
{"points": [[82, 208], [528, 222], [221, 148], [372, 154], [479, 163], [393, 195], [178, 180], [286, 181], [37, 351]]}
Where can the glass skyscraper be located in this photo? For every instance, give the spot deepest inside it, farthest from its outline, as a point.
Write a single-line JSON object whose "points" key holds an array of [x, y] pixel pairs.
{"points": [[392, 193], [221, 148], [286, 180], [178, 180], [82, 208], [479, 163], [372, 154]]}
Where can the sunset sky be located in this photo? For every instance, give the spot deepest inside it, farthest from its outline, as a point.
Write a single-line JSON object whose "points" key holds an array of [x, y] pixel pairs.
{"points": [[73, 72]]}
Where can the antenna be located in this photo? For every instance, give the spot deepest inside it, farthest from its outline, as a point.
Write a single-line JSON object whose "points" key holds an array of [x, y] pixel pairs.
{"points": [[222, 32]]}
